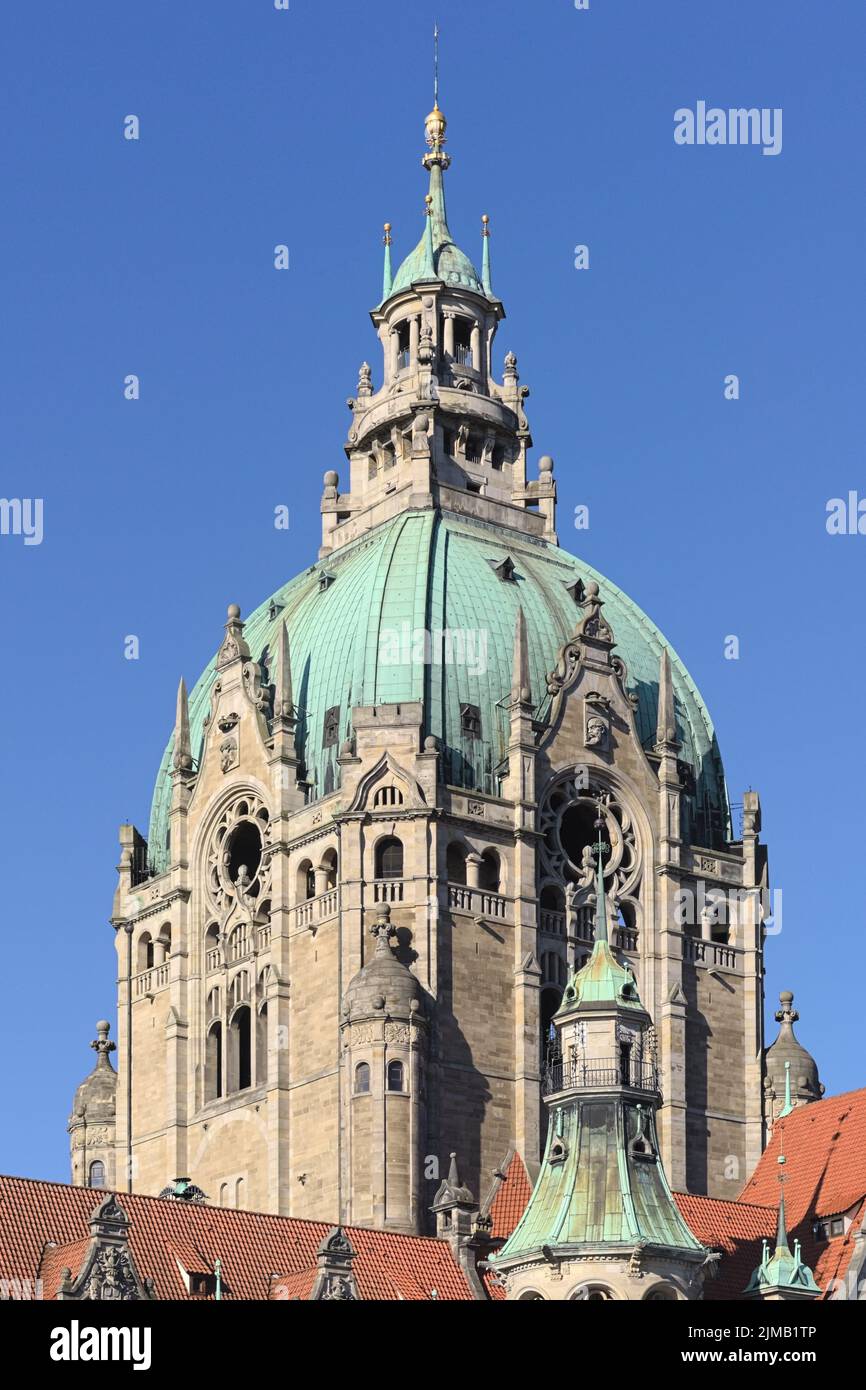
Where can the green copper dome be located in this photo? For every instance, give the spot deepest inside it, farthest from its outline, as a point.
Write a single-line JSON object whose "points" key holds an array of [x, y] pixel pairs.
{"points": [[354, 639], [437, 256]]}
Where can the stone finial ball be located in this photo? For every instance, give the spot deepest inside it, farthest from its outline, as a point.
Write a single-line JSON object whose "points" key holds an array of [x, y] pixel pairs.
{"points": [[103, 1026], [422, 423], [592, 588], [545, 464], [431, 744], [233, 611], [331, 478]]}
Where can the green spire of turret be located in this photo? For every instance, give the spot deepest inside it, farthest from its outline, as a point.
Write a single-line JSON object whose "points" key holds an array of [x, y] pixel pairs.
{"points": [[782, 1275], [789, 1104], [600, 899], [485, 253]]}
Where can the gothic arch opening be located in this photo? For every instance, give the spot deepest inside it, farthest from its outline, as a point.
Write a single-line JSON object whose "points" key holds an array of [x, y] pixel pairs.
{"points": [[305, 881], [240, 1051], [455, 862], [244, 849], [144, 952], [213, 1071], [262, 1045], [490, 871]]}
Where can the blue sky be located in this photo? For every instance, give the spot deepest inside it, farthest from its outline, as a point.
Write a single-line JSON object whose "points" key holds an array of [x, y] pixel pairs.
{"points": [[304, 127]]}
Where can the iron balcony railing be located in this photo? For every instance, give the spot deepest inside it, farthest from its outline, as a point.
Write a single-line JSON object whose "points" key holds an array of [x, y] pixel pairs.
{"points": [[576, 1074]]}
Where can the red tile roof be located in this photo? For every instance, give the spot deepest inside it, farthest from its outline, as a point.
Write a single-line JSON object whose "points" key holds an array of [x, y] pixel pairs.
{"points": [[510, 1197], [252, 1246], [825, 1148], [737, 1229]]}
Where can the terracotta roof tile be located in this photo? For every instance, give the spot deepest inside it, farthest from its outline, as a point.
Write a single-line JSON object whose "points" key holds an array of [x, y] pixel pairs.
{"points": [[509, 1199], [825, 1147], [252, 1246]]}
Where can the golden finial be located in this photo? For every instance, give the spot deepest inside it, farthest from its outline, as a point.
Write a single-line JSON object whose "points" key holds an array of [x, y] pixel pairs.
{"points": [[387, 237], [428, 205], [485, 224]]}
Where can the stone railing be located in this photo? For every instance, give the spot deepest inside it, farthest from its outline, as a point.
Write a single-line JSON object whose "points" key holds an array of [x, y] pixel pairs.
{"points": [[696, 951], [388, 890], [478, 902], [150, 981], [551, 921], [315, 910]]}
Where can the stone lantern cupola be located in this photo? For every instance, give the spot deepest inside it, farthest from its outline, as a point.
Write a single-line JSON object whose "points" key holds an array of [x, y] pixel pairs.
{"points": [[440, 430]]}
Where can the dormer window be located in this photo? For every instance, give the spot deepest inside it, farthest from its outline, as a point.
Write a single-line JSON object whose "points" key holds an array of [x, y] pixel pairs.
{"points": [[403, 345], [470, 721]]}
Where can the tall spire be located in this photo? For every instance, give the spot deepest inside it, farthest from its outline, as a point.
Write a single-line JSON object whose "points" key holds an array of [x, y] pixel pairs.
{"points": [[666, 731], [284, 708], [485, 254], [600, 899], [387, 273], [182, 747], [521, 692]]}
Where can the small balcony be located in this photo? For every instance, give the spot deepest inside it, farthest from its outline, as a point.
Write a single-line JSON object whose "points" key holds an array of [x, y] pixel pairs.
{"points": [[477, 902], [150, 981], [604, 1075]]}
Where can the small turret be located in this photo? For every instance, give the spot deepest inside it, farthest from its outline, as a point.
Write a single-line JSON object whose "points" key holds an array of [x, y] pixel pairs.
{"points": [[384, 1042], [91, 1124], [782, 1276], [791, 1077]]}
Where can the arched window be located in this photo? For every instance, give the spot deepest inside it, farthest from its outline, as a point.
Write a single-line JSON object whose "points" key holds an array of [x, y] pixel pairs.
{"points": [[362, 1079], [306, 881], [455, 862], [239, 1049], [145, 951], [489, 872], [395, 1076], [262, 1045], [389, 858], [96, 1175], [329, 868], [213, 1073], [591, 1293]]}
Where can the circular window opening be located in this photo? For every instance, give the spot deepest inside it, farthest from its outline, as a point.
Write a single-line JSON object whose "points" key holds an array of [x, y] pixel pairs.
{"points": [[577, 830], [244, 851]]}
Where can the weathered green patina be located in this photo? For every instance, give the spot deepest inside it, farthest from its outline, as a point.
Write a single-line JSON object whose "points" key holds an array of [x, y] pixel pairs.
{"points": [[356, 642]]}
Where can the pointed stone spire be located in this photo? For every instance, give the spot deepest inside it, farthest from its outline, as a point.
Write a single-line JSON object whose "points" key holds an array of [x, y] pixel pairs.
{"points": [[387, 274], [182, 746], [284, 709], [521, 690], [666, 731], [485, 255]]}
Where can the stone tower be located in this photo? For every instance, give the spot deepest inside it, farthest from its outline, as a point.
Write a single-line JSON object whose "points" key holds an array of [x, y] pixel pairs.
{"points": [[91, 1125], [601, 1223], [426, 721]]}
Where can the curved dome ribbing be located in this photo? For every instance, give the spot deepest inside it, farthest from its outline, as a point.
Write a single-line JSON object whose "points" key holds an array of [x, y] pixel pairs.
{"points": [[351, 643]]}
